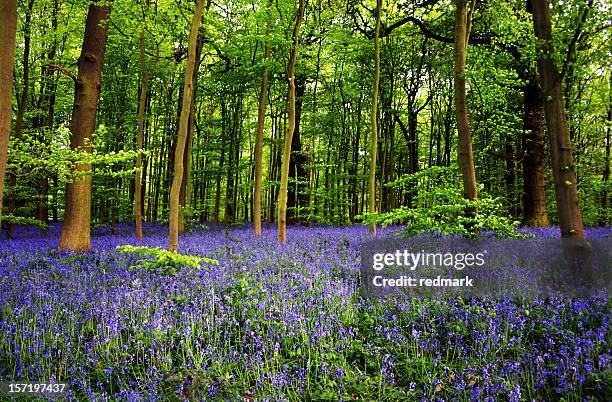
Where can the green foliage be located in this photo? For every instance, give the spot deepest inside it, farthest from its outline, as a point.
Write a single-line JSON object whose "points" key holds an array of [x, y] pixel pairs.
{"points": [[20, 220], [440, 207], [29, 154], [162, 261]]}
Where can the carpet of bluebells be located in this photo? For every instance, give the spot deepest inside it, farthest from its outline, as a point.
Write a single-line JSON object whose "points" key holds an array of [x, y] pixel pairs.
{"points": [[273, 322]]}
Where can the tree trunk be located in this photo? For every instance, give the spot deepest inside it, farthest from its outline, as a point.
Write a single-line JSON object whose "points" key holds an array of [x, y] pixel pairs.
{"points": [[8, 32], [261, 119], [534, 191], [185, 192], [22, 105], [605, 202], [76, 228], [564, 171], [49, 96], [296, 198], [217, 206], [173, 218], [464, 144], [373, 121], [139, 138], [284, 180]]}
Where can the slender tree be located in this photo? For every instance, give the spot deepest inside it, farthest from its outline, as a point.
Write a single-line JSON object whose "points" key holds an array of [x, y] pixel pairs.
{"points": [[173, 229], [76, 228], [463, 21], [605, 202], [22, 104], [564, 171], [8, 33], [373, 119], [284, 181], [139, 137], [261, 118]]}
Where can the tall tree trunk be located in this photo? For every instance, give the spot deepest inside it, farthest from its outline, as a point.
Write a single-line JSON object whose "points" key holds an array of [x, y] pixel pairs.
{"points": [[297, 198], [564, 171], [76, 228], [261, 119], [510, 175], [464, 144], [605, 202], [217, 206], [139, 138], [284, 181], [173, 225], [355, 162], [22, 105], [49, 96], [185, 192], [8, 32], [373, 120], [534, 191]]}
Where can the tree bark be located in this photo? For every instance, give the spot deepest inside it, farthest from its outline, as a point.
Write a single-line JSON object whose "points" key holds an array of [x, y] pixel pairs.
{"points": [[284, 180], [296, 198], [173, 225], [21, 109], [261, 119], [139, 138], [373, 120], [185, 192], [464, 144], [534, 191], [605, 202], [76, 228], [8, 32], [564, 172]]}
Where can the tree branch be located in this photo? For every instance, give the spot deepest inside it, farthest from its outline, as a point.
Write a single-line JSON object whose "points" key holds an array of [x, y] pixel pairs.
{"points": [[63, 70], [577, 34]]}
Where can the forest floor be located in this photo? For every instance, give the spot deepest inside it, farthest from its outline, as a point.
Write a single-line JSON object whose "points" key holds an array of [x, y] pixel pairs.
{"points": [[273, 322]]}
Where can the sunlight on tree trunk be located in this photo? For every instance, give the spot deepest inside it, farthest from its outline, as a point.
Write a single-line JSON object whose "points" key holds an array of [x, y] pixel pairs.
{"points": [[173, 225], [373, 119], [77, 217], [284, 181]]}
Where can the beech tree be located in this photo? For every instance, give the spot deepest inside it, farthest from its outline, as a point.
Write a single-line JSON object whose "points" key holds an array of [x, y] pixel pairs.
{"points": [[564, 170], [261, 118], [173, 225], [284, 181], [373, 119], [8, 29], [351, 143], [463, 26], [142, 103], [77, 218]]}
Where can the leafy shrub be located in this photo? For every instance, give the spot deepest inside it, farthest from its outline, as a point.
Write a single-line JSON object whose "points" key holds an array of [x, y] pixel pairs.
{"points": [[438, 206], [162, 261], [23, 220]]}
